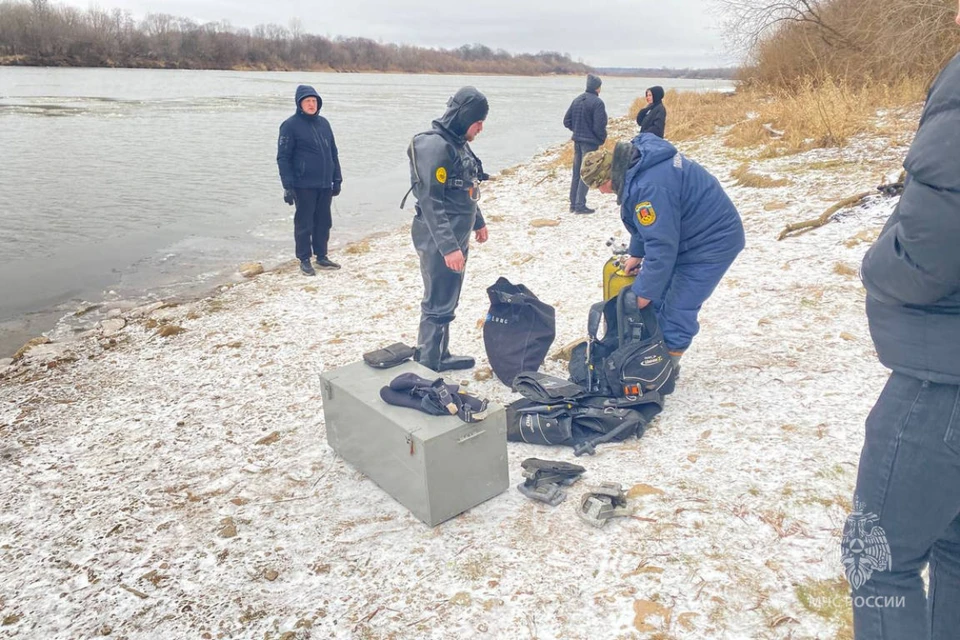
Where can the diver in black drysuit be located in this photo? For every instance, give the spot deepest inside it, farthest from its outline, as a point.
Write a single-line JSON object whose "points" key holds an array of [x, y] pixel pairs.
{"points": [[445, 177]]}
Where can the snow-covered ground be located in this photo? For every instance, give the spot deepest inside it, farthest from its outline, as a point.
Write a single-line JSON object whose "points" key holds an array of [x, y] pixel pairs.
{"points": [[181, 486]]}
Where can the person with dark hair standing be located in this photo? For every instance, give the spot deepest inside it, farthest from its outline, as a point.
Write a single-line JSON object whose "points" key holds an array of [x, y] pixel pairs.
{"points": [[445, 179], [906, 506], [310, 173], [587, 119], [653, 117]]}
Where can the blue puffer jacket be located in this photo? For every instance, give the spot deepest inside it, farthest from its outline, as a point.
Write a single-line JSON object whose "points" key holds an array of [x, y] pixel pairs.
{"points": [[587, 116], [676, 213], [306, 151], [912, 272]]}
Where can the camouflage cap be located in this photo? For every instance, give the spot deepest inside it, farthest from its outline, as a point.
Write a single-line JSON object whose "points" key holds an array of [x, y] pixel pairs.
{"points": [[597, 168]]}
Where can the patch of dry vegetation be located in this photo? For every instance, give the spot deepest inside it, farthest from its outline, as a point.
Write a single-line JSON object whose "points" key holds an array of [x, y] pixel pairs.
{"points": [[747, 178], [786, 120], [862, 41], [830, 600], [691, 115]]}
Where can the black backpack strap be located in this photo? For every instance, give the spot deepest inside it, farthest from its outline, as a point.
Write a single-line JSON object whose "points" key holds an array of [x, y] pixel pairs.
{"points": [[416, 176], [405, 196], [593, 320]]}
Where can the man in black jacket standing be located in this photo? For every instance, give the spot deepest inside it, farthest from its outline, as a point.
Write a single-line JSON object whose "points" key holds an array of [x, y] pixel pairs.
{"points": [[310, 173], [906, 510], [445, 179], [587, 118]]}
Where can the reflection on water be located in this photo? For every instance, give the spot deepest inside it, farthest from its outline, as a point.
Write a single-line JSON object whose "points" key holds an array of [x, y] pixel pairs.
{"points": [[132, 180]]}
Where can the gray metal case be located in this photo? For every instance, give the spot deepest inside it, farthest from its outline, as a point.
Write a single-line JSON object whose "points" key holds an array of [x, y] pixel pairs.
{"points": [[435, 466]]}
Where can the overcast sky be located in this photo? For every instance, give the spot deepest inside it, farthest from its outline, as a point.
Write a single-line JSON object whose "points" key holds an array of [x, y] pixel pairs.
{"points": [[601, 33]]}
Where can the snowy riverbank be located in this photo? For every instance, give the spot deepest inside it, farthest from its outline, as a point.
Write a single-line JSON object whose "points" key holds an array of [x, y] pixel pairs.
{"points": [[170, 477]]}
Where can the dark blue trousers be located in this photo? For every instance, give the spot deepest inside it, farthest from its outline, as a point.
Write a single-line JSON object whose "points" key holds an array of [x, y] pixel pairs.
{"points": [[907, 515], [689, 287], [579, 188], [312, 222]]}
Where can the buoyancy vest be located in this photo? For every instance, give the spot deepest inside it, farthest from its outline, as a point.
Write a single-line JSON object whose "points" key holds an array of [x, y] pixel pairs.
{"points": [[631, 358]]}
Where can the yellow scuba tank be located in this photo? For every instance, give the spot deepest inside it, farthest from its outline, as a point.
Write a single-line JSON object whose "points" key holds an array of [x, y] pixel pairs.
{"points": [[614, 279]]}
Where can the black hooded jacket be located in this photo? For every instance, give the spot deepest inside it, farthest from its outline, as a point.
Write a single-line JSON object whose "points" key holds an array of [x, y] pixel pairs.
{"points": [[653, 117], [306, 150], [444, 172], [912, 271], [587, 115]]}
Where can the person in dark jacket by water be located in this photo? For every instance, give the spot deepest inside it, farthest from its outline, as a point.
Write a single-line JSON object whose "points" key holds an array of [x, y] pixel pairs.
{"points": [[684, 230], [445, 179], [310, 173], [587, 119], [906, 506], [653, 117]]}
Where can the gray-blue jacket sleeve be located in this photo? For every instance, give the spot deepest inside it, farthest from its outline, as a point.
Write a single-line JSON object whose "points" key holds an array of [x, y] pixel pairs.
{"points": [[656, 218], [916, 259], [480, 222]]}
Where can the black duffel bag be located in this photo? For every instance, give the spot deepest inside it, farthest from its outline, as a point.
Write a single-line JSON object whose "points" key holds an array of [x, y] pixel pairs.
{"points": [[518, 330]]}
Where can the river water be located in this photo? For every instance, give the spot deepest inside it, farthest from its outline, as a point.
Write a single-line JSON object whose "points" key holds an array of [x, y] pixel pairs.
{"points": [[124, 184]]}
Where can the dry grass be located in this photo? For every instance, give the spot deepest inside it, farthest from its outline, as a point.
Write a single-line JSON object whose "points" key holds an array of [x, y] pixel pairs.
{"points": [[691, 115], [844, 269], [565, 159], [830, 600], [747, 133], [358, 248], [746, 178], [808, 115]]}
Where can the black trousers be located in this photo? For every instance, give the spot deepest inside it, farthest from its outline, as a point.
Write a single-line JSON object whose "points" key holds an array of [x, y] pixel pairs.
{"points": [[312, 222], [441, 288]]}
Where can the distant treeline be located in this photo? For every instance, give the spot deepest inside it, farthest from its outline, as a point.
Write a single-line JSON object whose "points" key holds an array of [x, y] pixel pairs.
{"points": [[722, 73], [40, 33]]}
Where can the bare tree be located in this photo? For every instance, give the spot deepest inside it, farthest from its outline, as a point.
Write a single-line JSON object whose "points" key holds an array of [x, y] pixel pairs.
{"points": [[749, 21], [784, 41]]}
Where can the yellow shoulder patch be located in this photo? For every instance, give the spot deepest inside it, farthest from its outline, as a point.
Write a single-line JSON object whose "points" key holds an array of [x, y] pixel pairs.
{"points": [[441, 175], [646, 216]]}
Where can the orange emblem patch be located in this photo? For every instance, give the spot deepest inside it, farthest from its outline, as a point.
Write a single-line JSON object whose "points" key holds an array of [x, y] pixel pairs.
{"points": [[646, 216]]}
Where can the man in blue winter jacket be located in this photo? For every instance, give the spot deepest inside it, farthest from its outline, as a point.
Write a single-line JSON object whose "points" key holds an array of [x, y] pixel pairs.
{"points": [[906, 509], [310, 173], [586, 117], [684, 230]]}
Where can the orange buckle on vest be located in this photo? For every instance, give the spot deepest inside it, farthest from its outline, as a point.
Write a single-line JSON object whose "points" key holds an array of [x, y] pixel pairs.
{"points": [[631, 390]]}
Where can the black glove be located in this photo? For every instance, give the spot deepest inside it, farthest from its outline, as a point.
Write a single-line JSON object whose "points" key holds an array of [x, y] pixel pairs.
{"points": [[336, 188], [289, 196], [481, 174]]}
